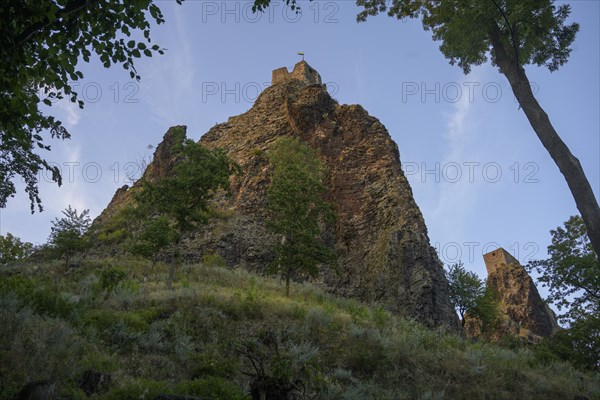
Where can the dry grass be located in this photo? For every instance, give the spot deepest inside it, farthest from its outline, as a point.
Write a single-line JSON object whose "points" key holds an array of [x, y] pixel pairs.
{"points": [[58, 323]]}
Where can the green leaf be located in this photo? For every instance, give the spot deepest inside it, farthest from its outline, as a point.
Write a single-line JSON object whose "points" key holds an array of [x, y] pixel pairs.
{"points": [[51, 15], [49, 59]]}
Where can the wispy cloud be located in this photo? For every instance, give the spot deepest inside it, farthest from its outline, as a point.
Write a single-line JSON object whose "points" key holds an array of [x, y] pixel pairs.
{"points": [[169, 84], [457, 195], [72, 190], [70, 111]]}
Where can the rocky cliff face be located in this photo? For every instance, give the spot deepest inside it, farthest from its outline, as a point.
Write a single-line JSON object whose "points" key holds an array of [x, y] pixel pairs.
{"points": [[523, 313], [380, 236]]}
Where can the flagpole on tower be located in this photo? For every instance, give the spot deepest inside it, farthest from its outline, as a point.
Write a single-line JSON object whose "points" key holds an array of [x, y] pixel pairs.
{"points": [[301, 53]]}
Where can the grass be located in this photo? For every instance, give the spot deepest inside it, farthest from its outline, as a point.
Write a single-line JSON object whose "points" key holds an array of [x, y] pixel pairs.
{"points": [[221, 333]]}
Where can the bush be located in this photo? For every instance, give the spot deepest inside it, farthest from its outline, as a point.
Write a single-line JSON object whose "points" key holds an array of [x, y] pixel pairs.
{"points": [[35, 347], [110, 278], [381, 318], [214, 388], [138, 389], [488, 311], [213, 363], [213, 260], [579, 344], [366, 352], [123, 329], [13, 249], [359, 313], [36, 294]]}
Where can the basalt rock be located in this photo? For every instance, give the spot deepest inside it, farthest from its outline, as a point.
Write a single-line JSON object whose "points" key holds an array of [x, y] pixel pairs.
{"points": [[380, 235], [523, 313]]}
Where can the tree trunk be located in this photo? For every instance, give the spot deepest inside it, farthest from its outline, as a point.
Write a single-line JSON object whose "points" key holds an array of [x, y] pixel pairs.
{"points": [[567, 163], [287, 284], [171, 276], [173, 264]]}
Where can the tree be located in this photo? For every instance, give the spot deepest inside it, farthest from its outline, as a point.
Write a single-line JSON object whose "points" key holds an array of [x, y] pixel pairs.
{"points": [[578, 344], [261, 5], [297, 209], [487, 310], [572, 273], [466, 289], [512, 34], [41, 44], [13, 249], [157, 234], [572, 276], [181, 200], [67, 234]]}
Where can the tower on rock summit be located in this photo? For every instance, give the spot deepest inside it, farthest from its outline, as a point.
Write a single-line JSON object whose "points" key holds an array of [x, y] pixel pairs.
{"points": [[302, 72], [380, 237]]}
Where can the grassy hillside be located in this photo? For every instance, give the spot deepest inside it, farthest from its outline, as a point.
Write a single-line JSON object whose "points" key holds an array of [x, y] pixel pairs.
{"points": [[220, 333]]}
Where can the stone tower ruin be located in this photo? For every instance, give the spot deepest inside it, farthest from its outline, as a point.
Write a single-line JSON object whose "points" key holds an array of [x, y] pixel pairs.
{"points": [[496, 258], [302, 72], [523, 313]]}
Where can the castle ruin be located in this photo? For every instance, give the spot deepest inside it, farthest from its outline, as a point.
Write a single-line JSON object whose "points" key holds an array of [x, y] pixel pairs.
{"points": [[523, 312], [496, 258], [302, 72]]}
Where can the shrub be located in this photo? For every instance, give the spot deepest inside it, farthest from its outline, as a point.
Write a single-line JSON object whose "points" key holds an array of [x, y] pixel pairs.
{"points": [[138, 389], [35, 347], [214, 388], [36, 294], [381, 317], [358, 312], [213, 363], [213, 260], [110, 278], [366, 351], [278, 366], [579, 344], [13, 249]]}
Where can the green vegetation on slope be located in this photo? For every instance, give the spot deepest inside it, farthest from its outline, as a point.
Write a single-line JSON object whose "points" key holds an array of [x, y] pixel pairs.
{"points": [[222, 334]]}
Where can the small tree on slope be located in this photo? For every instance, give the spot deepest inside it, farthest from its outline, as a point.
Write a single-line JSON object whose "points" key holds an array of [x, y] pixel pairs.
{"points": [[181, 201], [296, 205]]}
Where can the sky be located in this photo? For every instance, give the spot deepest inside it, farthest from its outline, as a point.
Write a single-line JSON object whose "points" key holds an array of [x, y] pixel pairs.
{"points": [[479, 174]]}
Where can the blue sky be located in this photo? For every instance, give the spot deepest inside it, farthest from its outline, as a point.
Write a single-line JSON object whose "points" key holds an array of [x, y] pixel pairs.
{"points": [[478, 172]]}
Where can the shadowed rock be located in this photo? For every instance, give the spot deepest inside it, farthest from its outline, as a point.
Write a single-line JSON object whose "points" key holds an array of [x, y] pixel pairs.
{"points": [[95, 382], [37, 390]]}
